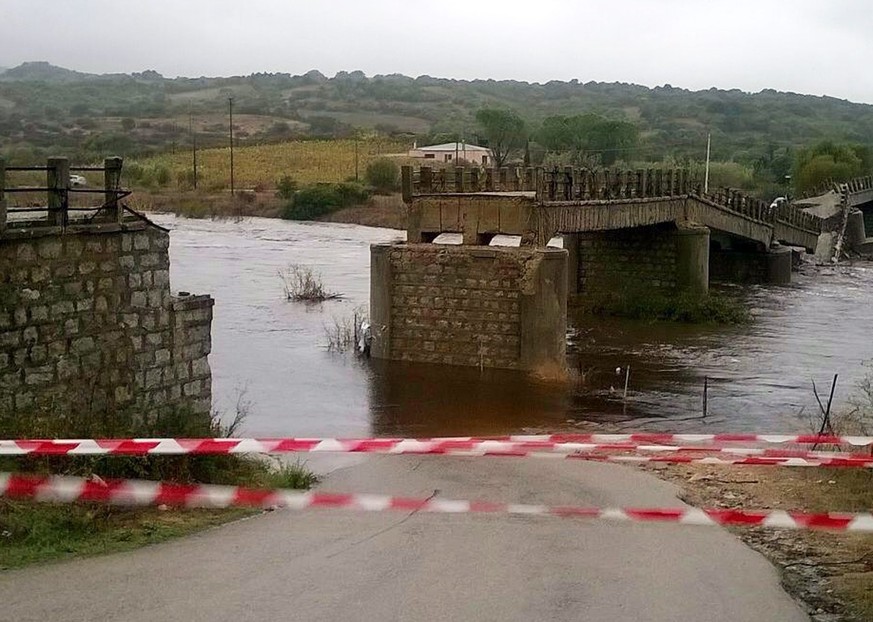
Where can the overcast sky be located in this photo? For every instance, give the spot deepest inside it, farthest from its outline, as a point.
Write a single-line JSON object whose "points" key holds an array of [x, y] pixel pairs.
{"points": [[806, 46]]}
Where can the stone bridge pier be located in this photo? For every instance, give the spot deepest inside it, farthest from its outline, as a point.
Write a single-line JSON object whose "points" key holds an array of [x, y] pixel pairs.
{"points": [[481, 306], [667, 257]]}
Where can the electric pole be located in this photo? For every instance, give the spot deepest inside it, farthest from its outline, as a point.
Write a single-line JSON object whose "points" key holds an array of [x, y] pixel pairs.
{"points": [[193, 146], [230, 110], [706, 174]]}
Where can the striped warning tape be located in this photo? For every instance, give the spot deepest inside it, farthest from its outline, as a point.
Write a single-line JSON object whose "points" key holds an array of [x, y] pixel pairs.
{"points": [[460, 447], [59, 489]]}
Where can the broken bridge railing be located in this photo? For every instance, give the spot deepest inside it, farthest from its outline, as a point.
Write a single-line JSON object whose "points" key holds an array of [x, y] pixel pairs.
{"points": [[571, 185]]}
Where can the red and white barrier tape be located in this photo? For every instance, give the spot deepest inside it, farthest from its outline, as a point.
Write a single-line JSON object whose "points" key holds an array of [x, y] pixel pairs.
{"points": [[558, 443], [457, 447], [58, 489]]}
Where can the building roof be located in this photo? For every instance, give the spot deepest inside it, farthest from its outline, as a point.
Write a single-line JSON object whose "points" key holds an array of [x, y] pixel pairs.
{"points": [[453, 147]]}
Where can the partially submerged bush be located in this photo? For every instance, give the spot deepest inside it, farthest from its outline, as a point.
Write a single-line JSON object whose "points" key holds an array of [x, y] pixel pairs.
{"points": [[713, 307], [346, 333], [303, 284]]}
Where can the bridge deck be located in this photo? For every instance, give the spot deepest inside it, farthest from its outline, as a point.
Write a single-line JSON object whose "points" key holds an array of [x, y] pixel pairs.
{"points": [[538, 204]]}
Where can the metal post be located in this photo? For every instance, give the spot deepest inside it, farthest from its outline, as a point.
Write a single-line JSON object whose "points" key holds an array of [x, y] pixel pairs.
{"points": [[111, 186], [705, 395], [626, 381], [58, 182]]}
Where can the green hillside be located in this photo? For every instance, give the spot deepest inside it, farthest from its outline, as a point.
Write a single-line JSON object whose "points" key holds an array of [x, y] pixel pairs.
{"points": [[49, 109]]}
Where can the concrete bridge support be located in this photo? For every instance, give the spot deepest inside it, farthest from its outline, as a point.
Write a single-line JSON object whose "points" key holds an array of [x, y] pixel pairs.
{"points": [[470, 305], [667, 258]]}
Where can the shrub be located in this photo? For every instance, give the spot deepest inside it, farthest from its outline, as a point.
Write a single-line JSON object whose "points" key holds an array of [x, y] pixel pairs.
{"points": [[286, 187], [383, 175], [162, 175], [320, 199], [302, 283], [642, 305]]}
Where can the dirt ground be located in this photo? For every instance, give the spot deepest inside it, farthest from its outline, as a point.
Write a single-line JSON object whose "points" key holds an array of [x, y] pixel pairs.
{"points": [[831, 572]]}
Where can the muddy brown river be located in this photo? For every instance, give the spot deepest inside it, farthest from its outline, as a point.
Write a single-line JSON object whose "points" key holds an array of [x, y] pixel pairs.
{"points": [[271, 354]]}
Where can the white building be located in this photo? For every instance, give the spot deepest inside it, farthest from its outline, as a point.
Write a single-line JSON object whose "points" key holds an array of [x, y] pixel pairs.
{"points": [[450, 152]]}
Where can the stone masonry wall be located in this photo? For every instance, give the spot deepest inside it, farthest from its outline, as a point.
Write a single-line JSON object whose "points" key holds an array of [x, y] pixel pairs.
{"points": [[727, 266], [463, 305], [87, 321], [455, 307], [630, 259]]}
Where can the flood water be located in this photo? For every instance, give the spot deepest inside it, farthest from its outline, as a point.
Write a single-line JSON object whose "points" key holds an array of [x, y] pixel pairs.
{"points": [[270, 354]]}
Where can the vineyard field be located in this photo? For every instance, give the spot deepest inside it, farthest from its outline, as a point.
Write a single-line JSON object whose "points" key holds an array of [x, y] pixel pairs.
{"points": [[304, 161]]}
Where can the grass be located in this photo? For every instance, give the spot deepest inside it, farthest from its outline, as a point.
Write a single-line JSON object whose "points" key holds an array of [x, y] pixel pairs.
{"points": [[35, 532], [712, 308]]}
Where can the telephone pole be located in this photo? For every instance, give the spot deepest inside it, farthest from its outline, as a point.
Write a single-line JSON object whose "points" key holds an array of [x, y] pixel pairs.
{"points": [[230, 110], [193, 146]]}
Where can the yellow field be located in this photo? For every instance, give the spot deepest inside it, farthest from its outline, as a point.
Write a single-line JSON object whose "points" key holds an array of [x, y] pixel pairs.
{"points": [[305, 161]]}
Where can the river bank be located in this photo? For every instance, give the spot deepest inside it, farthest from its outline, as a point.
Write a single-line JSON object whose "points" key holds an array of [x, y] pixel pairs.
{"points": [[378, 211], [831, 572]]}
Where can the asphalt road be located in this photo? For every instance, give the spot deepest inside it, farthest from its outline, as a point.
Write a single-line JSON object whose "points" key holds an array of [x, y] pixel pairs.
{"points": [[329, 565]]}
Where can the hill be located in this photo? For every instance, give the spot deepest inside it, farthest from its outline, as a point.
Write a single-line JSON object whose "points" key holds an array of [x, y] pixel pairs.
{"points": [[46, 108]]}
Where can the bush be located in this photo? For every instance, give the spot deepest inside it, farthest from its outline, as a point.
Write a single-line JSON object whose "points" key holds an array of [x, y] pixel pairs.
{"points": [[383, 175], [162, 175], [639, 305], [320, 199], [303, 284], [286, 187]]}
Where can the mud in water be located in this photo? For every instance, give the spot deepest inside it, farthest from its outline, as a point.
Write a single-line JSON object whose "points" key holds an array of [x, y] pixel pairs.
{"points": [[271, 354]]}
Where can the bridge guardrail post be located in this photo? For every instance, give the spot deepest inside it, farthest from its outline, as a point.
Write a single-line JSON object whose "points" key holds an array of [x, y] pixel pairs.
{"points": [[58, 183], [568, 183], [459, 179], [474, 179], [111, 186]]}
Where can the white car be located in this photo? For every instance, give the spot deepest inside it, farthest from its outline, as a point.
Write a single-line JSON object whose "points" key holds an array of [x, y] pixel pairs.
{"points": [[78, 180]]}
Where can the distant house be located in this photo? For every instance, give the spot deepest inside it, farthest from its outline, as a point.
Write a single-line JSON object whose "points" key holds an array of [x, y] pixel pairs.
{"points": [[449, 152]]}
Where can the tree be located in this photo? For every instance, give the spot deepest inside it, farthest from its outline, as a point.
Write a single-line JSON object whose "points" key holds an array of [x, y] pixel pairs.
{"points": [[587, 135], [830, 162], [383, 174], [503, 130]]}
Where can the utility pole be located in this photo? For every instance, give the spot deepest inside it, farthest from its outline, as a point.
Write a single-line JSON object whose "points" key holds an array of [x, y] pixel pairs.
{"points": [[706, 174], [193, 146], [230, 109]]}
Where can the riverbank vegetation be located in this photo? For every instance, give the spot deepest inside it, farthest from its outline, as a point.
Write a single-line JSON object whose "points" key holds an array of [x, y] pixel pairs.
{"points": [[714, 307], [34, 532]]}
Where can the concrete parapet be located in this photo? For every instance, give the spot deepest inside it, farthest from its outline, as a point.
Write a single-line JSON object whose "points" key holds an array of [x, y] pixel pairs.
{"points": [[469, 305]]}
